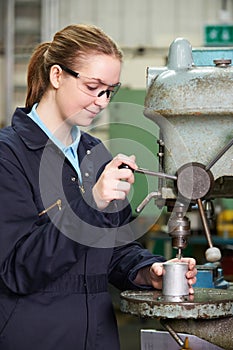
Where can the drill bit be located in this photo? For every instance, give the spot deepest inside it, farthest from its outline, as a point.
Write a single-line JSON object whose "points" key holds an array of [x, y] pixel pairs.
{"points": [[179, 254]]}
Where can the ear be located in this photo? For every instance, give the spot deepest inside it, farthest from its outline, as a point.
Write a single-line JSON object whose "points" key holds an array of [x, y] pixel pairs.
{"points": [[55, 75]]}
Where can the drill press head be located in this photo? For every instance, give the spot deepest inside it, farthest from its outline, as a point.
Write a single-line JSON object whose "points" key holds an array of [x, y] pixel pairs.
{"points": [[179, 228], [195, 122]]}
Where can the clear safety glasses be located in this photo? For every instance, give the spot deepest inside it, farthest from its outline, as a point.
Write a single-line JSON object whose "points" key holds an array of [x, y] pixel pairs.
{"points": [[92, 86]]}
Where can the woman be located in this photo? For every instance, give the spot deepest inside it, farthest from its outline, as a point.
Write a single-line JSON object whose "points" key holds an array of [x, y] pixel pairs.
{"points": [[65, 221]]}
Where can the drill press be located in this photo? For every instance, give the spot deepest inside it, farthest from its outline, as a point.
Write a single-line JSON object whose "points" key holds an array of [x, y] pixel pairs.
{"points": [[192, 105]]}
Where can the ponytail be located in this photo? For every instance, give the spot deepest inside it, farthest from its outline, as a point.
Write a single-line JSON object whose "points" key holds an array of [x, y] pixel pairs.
{"points": [[38, 76]]}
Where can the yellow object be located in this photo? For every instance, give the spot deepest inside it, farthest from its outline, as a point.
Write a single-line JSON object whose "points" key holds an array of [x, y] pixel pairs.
{"points": [[225, 223], [186, 344]]}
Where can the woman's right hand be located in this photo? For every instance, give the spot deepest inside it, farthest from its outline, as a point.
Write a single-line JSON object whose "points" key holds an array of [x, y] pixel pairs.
{"points": [[114, 183]]}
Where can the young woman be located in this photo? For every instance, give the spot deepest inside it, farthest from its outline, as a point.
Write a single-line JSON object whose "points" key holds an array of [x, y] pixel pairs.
{"points": [[65, 220]]}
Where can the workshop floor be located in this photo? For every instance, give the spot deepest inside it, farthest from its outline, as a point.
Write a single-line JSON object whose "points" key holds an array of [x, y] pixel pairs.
{"points": [[129, 326], [129, 330]]}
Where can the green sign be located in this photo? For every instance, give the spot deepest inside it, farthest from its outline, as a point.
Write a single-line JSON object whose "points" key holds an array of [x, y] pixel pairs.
{"points": [[219, 35]]}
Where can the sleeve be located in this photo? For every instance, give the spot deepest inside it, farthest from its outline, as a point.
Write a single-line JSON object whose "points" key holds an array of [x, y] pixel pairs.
{"points": [[33, 251], [126, 262]]}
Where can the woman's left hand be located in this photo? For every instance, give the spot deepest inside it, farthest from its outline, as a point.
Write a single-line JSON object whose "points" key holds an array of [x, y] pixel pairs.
{"points": [[152, 275]]}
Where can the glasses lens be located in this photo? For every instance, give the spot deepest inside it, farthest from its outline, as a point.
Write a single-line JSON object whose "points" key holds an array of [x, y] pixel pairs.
{"points": [[109, 93], [112, 92], [89, 86], [95, 88], [116, 88]]}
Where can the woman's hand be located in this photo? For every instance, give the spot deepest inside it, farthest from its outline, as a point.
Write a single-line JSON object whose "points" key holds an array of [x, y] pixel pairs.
{"points": [[156, 272], [152, 275], [114, 183]]}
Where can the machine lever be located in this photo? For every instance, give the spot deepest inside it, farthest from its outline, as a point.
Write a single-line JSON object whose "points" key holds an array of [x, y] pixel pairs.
{"points": [[147, 200], [204, 222], [148, 172], [175, 336], [213, 254], [219, 155]]}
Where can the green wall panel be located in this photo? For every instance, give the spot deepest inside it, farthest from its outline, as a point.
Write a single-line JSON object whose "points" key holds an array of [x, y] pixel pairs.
{"points": [[130, 132]]}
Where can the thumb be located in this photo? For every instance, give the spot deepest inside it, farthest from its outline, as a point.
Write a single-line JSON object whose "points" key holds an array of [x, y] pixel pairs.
{"points": [[157, 269]]}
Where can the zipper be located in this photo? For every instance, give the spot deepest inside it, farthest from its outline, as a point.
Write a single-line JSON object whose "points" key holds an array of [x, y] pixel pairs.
{"points": [[82, 189], [57, 203]]}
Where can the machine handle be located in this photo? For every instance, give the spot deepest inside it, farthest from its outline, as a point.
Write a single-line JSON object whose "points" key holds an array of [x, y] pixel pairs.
{"points": [[219, 155], [213, 254], [174, 335], [148, 172]]}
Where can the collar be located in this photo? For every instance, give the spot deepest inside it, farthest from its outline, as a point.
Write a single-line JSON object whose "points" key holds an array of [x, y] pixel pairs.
{"points": [[75, 133], [28, 130], [34, 137]]}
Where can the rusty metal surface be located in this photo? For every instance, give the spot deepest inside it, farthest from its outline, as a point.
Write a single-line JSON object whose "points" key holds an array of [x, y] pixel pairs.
{"points": [[193, 108], [190, 138], [207, 303], [216, 331], [190, 92]]}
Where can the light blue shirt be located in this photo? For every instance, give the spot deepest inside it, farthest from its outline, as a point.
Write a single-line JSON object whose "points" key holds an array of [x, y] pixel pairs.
{"points": [[70, 151]]}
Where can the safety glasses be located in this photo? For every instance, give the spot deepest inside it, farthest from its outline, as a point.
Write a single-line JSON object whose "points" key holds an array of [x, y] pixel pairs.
{"points": [[92, 86]]}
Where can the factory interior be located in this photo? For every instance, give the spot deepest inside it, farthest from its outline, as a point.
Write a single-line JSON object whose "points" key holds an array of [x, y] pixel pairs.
{"points": [[174, 112]]}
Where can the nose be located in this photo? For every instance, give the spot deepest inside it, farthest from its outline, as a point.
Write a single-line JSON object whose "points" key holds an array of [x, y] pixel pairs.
{"points": [[102, 100]]}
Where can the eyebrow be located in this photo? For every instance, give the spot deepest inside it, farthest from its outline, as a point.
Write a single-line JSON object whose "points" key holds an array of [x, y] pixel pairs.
{"points": [[102, 82], [77, 74]]}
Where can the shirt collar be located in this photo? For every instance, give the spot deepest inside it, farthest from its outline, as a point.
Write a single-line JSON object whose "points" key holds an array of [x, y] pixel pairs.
{"points": [[75, 133]]}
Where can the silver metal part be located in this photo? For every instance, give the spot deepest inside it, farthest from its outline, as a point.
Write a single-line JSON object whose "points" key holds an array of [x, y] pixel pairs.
{"points": [[153, 173], [179, 253], [174, 335], [174, 280], [146, 200], [179, 227], [148, 172], [194, 181]]}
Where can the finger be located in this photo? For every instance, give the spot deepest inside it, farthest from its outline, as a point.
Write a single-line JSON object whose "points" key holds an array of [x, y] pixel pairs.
{"points": [[123, 186], [191, 273], [133, 158], [192, 263], [126, 174], [112, 174], [191, 291], [191, 296], [121, 158], [192, 280]]}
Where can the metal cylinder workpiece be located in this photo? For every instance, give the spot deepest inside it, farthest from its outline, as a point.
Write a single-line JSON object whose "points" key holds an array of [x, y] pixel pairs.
{"points": [[175, 283]]}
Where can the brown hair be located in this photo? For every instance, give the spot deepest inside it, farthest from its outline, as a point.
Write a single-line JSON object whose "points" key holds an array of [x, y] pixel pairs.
{"points": [[69, 46]]}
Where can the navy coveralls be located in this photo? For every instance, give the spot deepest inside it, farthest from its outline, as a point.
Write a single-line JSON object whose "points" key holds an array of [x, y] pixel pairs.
{"points": [[57, 251]]}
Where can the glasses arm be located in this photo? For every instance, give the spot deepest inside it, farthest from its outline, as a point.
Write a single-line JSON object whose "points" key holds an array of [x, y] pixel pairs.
{"points": [[69, 71]]}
